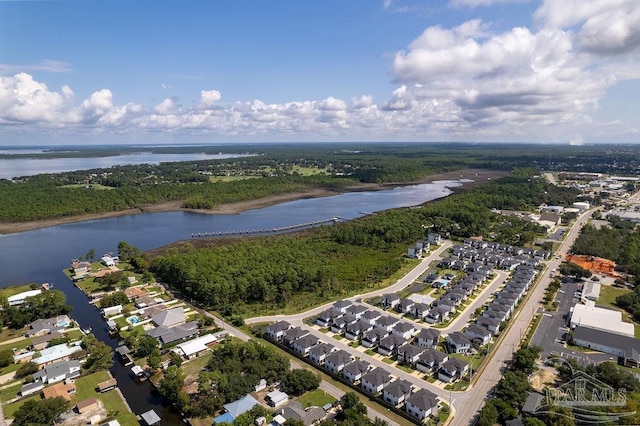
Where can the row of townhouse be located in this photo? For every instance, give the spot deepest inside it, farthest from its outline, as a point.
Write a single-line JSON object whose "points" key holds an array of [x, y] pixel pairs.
{"points": [[378, 382], [474, 254]]}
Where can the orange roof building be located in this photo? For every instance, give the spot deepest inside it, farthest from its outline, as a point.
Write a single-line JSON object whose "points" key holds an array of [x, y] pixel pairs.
{"points": [[64, 390]]}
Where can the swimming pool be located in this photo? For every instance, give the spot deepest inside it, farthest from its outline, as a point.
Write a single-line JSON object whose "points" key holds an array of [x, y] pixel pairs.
{"points": [[133, 319]]}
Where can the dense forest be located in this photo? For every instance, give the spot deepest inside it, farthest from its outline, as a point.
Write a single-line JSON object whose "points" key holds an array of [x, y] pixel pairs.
{"points": [[328, 262], [44, 305], [619, 242], [273, 170]]}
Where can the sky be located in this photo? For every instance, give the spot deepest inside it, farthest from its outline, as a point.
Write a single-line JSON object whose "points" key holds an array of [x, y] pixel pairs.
{"points": [[98, 72]]}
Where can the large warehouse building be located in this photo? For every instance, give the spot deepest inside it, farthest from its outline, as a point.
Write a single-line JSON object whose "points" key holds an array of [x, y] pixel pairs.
{"points": [[591, 316]]}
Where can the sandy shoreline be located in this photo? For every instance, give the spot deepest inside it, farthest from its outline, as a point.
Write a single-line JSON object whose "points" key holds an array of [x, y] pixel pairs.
{"points": [[479, 176]]}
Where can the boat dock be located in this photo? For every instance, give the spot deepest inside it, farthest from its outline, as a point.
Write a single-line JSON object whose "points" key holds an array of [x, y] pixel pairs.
{"points": [[268, 231]]}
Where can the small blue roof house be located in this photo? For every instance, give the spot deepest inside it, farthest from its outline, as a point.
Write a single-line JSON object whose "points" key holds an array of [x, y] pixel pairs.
{"points": [[235, 409]]}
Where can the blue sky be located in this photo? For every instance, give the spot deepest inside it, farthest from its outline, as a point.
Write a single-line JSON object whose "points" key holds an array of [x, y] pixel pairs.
{"points": [[560, 71]]}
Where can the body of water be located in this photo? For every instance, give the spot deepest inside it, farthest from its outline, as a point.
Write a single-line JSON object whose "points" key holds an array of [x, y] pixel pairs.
{"points": [[41, 255], [11, 168]]}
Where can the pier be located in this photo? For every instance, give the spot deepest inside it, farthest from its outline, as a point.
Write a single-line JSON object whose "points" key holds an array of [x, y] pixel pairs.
{"points": [[334, 219]]}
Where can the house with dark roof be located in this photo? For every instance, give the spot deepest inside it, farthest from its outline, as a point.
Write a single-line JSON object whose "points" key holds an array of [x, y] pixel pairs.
{"points": [[427, 337], [492, 324], [404, 329], [356, 310], [409, 354], [396, 392], [371, 339], [342, 305], [293, 334], [304, 344], [452, 370], [357, 330], [339, 325], [404, 306], [44, 326], [389, 345], [422, 404], [478, 334], [276, 330], [326, 318], [309, 416], [420, 310], [353, 371], [371, 316], [318, 354], [167, 335], [387, 323], [438, 314], [336, 361], [458, 343], [374, 381], [389, 300], [431, 360]]}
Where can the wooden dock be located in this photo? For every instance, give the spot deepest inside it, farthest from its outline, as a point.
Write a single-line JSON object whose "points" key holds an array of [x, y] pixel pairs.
{"points": [[334, 219]]}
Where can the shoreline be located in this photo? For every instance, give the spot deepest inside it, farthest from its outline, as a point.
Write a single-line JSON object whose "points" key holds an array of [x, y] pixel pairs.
{"points": [[479, 176]]}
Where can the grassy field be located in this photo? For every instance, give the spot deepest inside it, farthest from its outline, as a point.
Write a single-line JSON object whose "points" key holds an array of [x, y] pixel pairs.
{"points": [[195, 366], [608, 295], [10, 409], [96, 186], [7, 394], [214, 179], [112, 401], [10, 291], [316, 398]]}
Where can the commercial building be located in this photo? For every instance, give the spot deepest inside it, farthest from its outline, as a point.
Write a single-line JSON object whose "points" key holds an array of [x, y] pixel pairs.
{"points": [[591, 316]]}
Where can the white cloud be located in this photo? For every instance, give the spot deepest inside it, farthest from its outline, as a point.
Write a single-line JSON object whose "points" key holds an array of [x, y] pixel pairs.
{"points": [[209, 97], [22, 99], [364, 101], [166, 86], [167, 106]]}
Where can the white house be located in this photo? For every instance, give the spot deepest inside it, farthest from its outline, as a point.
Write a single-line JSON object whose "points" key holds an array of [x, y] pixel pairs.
{"points": [[336, 361], [277, 330], [277, 398], [354, 371], [422, 404], [395, 393], [374, 381], [318, 354]]}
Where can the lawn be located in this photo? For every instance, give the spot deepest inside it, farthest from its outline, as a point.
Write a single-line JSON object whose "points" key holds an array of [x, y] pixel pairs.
{"points": [[96, 186], [608, 295], [10, 409], [316, 398], [9, 393], [195, 366], [20, 344], [112, 401], [214, 179], [10, 291]]}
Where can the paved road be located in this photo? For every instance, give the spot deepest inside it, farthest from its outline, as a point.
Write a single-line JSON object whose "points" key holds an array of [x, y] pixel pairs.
{"points": [[474, 400], [469, 402]]}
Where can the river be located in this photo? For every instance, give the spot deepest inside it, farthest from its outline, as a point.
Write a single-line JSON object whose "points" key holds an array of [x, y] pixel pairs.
{"points": [[41, 255]]}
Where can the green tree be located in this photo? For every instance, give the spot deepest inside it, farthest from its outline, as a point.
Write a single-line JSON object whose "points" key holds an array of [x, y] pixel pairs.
{"points": [[146, 345], [488, 415], [100, 354], [40, 412], [513, 387], [6, 357], [91, 255], [296, 382], [26, 369]]}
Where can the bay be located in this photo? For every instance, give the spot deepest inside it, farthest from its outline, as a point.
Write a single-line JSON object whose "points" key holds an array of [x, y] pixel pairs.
{"points": [[17, 167], [41, 255]]}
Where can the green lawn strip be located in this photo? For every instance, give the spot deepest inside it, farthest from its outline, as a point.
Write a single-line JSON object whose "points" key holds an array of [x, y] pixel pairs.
{"points": [[10, 368], [636, 331], [8, 393], [20, 344], [388, 360], [405, 368], [9, 334], [316, 398], [459, 385], [113, 403], [532, 329], [95, 186], [474, 361], [74, 335]]}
